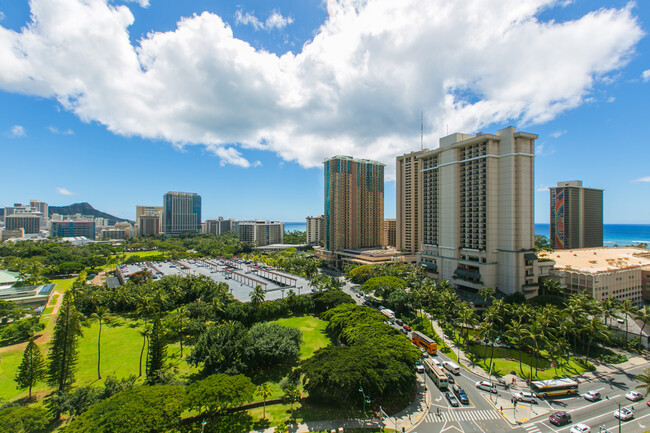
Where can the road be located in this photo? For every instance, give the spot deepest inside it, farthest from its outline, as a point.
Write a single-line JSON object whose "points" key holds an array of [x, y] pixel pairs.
{"points": [[483, 414]]}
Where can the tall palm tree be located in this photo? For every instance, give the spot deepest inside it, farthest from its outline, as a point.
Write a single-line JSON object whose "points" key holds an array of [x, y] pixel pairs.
{"points": [[101, 314], [644, 378], [516, 336], [534, 332], [628, 310], [610, 306], [258, 295], [595, 330], [264, 391], [642, 314]]}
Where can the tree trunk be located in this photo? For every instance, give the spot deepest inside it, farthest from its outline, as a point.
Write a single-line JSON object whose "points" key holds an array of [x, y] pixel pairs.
{"points": [[99, 350], [144, 341]]}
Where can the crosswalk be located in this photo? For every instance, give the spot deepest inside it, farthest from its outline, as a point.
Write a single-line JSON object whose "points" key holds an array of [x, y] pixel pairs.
{"points": [[462, 415], [532, 428]]}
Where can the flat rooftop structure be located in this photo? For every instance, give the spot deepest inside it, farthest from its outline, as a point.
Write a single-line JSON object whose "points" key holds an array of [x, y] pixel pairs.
{"points": [[594, 260], [241, 277], [280, 247]]}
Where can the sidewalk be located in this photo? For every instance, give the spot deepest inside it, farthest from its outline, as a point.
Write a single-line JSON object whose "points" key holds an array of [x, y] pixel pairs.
{"points": [[405, 420]]}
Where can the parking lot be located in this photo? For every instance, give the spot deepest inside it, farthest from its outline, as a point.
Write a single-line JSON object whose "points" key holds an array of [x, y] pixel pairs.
{"points": [[241, 276]]}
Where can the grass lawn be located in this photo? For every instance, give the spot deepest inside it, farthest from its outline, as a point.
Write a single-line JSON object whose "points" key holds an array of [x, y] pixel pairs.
{"points": [[507, 360], [54, 299], [313, 333], [48, 311], [63, 285], [121, 347]]}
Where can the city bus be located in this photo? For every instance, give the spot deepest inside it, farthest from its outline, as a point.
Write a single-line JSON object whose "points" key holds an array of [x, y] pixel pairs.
{"points": [[419, 339], [436, 374], [554, 387]]}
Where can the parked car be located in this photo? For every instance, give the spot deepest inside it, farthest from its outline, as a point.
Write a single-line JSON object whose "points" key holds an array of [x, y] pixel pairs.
{"points": [[404, 331], [634, 396], [524, 396], [452, 399], [580, 428], [559, 418], [407, 327], [399, 322], [624, 414], [419, 367], [592, 396], [460, 393], [486, 386], [424, 353]]}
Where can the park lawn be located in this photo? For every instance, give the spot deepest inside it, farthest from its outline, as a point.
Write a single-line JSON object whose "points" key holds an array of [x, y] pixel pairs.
{"points": [[507, 360], [53, 299], [9, 362], [63, 284], [48, 311], [313, 333]]}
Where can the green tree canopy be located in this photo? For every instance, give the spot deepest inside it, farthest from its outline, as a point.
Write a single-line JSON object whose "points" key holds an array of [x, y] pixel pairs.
{"points": [[323, 301], [272, 344], [221, 349], [143, 409], [24, 419], [31, 369], [383, 286]]}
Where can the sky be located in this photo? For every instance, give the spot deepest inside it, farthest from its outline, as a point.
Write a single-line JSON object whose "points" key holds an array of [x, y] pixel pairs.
{"points": [[116, 102]]}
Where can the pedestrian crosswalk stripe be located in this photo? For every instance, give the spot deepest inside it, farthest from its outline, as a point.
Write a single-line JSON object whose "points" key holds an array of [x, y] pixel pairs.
{"points": [[462, 415], [532, 428]]}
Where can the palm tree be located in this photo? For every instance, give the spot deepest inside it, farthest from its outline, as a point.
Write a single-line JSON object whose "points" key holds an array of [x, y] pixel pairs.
{"points": [[145, 332], [101, 314], [628, 310], [257, 295], [643, 314], [644, 378], [609, 305], [515, 333], [486, 293], [264, 391], [595, 330], [534, 332]]}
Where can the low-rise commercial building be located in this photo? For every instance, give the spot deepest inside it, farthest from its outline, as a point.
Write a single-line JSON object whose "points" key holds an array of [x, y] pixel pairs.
{"points": [[603, 272]]}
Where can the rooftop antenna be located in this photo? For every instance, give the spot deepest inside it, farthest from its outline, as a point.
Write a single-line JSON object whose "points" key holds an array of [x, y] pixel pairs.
{"points": [[421, 130]]}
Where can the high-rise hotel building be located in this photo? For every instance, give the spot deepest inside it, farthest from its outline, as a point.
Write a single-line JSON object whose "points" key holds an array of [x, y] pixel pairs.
{"points": [[315, 229], [148, 220], [469, 211], [181, 213], [576, 216], [354, 203]]}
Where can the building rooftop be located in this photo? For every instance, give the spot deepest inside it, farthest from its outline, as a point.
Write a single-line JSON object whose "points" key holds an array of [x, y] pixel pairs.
{"points": [[594, 260], [351, 158]]}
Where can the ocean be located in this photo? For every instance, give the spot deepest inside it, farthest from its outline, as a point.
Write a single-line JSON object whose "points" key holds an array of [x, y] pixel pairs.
{"points": [[613, 234], [293, 227]]}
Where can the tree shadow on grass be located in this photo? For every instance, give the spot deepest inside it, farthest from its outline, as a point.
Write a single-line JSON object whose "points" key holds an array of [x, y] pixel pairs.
{"points": [[273, 373]]}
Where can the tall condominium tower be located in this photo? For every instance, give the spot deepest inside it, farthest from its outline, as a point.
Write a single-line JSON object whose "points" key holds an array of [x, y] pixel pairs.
{"points": [[354, 203], [576, 216], [181, 213], [475, 220], [409, 202]]}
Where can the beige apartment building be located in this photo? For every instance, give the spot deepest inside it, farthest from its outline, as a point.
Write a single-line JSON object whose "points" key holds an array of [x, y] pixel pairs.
{"points": [[261, 232], [315, 229], [576, 216], [473, 202], [389, 233], [354, 203], [409, 202], [148, 220], [603, 272]]}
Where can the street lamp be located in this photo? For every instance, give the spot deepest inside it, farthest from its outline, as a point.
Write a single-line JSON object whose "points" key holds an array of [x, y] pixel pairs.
{"points": [[366, 399]]}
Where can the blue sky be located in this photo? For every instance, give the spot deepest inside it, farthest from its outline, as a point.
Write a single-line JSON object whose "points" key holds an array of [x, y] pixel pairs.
{"points": [[116, 103]]}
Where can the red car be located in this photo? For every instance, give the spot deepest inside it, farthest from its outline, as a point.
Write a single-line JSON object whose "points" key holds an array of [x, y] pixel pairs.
{"points": [[560, 418], [407, 327]]}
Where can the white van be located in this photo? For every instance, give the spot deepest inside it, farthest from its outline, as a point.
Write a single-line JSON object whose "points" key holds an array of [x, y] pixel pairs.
{"points": [[452, 367]]}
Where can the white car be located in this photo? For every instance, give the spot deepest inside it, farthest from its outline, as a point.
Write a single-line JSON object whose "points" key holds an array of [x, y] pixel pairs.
{"points": [[524, 396], [624, 414], [634, 396], [486, 386], [592, 395], [580, 428]]}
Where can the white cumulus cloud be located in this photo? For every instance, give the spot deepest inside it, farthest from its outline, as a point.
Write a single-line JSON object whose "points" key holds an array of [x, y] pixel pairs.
{"points": [[357, 88], [142, 3], [55, 130], [642, 179], [64, 191], [646, 75], [275, 21], [17, 131]]}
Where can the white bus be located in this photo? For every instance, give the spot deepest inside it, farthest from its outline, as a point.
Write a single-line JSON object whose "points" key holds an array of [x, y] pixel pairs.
{"points": [[436, 374]]}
